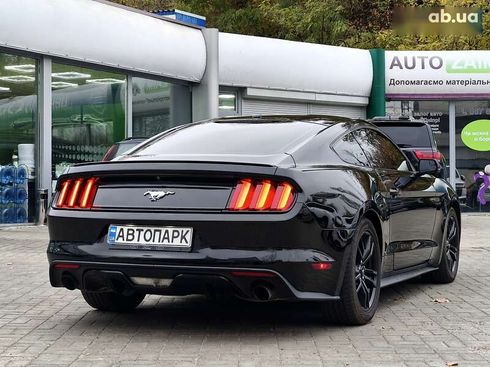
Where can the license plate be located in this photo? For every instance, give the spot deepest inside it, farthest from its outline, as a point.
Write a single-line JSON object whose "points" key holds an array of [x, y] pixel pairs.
{"points": [[175, 237]]}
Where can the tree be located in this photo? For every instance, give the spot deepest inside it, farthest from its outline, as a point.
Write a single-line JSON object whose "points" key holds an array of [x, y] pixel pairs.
{"points": [[353, 23]]}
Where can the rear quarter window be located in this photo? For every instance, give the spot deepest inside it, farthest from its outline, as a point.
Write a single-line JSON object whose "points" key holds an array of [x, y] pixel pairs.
{"points": [[349, 150], [381, 152]]}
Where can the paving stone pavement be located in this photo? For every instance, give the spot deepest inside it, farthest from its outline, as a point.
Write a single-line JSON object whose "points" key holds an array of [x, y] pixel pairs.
{"points": [[45, 326]]}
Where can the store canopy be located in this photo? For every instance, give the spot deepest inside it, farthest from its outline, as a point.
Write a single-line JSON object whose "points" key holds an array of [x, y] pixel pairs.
{"points": [[269, 63], [99, 33]]}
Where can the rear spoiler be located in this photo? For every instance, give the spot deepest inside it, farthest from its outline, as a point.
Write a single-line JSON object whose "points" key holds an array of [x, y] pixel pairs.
{"points": [[158, 167]]}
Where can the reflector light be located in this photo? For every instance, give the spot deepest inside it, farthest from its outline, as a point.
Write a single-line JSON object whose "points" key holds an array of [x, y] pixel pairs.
{"points": [[253, 274], [428, 154], [321, 266], [79, 193], [261, 195], [66, 266]]}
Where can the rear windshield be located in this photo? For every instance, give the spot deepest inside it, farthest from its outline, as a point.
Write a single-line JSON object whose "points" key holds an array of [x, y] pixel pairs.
{"points": [[232, 138], [408, 136]]}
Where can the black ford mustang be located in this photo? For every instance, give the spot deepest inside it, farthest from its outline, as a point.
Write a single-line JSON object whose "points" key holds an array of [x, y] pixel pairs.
{"points": [[272, 208]]}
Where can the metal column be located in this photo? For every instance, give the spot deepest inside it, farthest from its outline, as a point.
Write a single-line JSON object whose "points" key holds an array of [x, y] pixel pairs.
{"points": [[129, 106], [205, 96], [44, 132], [452, 143]]}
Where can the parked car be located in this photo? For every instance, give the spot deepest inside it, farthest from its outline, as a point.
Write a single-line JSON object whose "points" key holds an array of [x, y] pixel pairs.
{"points": [[121, 147], [305, 208], [415, 138]]}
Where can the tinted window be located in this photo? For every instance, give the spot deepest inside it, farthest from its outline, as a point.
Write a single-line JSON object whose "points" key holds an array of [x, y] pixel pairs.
{"points": [[257, 138], [349, 151], [381, 152], [408, 136]]}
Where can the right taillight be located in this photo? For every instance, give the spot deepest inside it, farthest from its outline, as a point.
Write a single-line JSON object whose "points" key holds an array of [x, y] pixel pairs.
{"points": [[77, 193], [428, 154], [261, 195]]}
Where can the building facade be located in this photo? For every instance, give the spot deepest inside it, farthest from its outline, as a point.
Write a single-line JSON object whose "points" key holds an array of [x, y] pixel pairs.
{"points": [[78, 75]]}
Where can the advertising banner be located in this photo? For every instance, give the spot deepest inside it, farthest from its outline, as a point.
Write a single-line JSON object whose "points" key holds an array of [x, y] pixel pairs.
{"points": [[443, 75]]}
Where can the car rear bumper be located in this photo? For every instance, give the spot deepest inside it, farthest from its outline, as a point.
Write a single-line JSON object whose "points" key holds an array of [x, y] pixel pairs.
{"points": [[252, 283], [284, 273]]}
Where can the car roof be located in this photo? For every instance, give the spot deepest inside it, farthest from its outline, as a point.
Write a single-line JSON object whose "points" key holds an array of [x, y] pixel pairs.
{"points": [[316, 119]]}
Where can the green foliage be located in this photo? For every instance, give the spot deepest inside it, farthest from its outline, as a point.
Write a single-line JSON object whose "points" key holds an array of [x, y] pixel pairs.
{"points": [[353, 23], [148, 5]]}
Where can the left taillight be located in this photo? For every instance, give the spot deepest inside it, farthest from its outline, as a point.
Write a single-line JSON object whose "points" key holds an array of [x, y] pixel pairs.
{"points": [[261, 195], [77, 193]]}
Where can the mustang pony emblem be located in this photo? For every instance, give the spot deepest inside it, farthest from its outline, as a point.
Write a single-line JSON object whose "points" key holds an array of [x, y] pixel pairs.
{"points": [[157, 195]]}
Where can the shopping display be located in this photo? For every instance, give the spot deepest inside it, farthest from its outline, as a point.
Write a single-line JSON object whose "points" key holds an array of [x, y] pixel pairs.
{"points": [[13, 194]]}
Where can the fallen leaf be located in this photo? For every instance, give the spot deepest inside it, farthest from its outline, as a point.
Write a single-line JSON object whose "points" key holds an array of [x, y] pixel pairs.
{"points": [[452, 364], [441, 300], [9, 263]]}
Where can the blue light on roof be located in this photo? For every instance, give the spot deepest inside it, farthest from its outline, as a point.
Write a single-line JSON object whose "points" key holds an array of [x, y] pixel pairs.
{"points": [[183, 16]]}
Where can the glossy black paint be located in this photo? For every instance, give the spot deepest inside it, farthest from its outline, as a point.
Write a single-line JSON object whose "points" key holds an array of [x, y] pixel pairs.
{"points": [[332, 197]]}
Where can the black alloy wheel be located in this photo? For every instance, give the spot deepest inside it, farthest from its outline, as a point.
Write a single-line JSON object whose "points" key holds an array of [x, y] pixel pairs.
{"points": [[448, 266], [360, 291], [452, 244], [366, 271]]}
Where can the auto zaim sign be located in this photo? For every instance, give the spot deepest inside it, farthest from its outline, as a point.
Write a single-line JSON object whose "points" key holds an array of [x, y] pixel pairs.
{"points": [[437, 74]]}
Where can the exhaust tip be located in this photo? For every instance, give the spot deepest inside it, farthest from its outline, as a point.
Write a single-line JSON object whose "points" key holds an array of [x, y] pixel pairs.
{"points": [[262, 293], [68, 281]]}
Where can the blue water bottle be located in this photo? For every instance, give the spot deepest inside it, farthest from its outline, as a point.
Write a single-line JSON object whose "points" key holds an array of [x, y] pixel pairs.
{"points": [[7, 175], [7, 195], [20, 195], [20, 215], [7, 215], [21, 175]]}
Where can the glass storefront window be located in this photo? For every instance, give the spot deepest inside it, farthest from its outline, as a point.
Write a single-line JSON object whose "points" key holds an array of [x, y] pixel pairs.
{"points": [[88, 114], [473, 153], [18, 123], [158, 106]]}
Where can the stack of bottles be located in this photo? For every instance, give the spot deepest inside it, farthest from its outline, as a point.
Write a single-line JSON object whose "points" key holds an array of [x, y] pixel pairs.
{"points": [[13, 194]]}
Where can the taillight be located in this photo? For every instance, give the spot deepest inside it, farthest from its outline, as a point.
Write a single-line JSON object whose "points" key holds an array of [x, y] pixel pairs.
{"points": [[78, 193], [428, 154], [262, 195]]}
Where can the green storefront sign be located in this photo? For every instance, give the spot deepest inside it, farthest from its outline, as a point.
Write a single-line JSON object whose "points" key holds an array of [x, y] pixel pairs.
{"points": [[476, 135]]}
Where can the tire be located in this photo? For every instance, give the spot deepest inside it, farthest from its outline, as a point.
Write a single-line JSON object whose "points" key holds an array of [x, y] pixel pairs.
{"points": [[356, 306], [113, 302], [448, 266]]}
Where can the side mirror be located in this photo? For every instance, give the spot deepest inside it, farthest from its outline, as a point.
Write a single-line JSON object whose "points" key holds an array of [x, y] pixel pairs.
{"points": [[429, 166], [463, 177], [487, 170]]}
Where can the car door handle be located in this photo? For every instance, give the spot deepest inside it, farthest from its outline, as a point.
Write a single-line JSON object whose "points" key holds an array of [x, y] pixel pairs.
{"points": [[394, 191]]}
